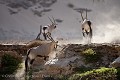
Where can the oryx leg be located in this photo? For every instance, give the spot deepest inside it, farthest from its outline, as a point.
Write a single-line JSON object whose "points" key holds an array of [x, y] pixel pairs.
{"points": [[87, 33], [85, 37], [45, 57], [89, 37], [83, 34], [32, 56], [38, 37], [44, 35], [49, 36], [31, 62]]}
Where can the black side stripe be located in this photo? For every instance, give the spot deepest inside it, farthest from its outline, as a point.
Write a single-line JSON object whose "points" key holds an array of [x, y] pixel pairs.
{"points": [[28, 52]]}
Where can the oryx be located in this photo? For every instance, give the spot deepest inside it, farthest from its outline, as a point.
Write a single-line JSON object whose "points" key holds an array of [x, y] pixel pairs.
{"points": [[47, 30], [40, 51], [86, 26]]}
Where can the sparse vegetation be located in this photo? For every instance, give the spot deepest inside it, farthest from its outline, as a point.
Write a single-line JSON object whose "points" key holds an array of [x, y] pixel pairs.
{"points": [[62, 77], [96, 74], [118, 73], [81, 69], [91, 56]]}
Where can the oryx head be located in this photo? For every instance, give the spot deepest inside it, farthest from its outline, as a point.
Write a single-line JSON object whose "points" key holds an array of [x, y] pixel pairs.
{"points": [[54, 45], [53, 25]]}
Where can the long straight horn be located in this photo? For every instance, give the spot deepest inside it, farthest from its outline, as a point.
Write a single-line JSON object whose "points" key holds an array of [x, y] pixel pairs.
{"points": [[86, 13], [82, 16], [50, 20], [54, 20]]}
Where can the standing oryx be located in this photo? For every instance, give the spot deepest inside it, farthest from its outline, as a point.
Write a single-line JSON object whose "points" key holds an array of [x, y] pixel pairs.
{"points": [[47, 30], [86, 27], [40, 51]]}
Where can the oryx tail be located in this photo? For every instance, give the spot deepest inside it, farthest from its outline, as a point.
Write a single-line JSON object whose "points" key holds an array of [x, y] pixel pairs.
{"points": [[90, 35], [26, 60]]}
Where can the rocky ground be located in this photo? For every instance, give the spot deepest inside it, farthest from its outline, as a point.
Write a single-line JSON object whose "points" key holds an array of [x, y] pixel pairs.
{"points": [[70, 58]]}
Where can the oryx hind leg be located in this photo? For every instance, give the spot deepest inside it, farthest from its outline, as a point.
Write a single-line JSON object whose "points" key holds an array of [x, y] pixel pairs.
{"points": [[89, 39], [44, 57], [31, 62]]}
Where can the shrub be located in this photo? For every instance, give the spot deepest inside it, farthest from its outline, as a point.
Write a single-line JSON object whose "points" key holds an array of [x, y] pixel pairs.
{"points": [[91, 56], [118, 73], [9, 64], [81, 69], [96, 74], [61, 77]]}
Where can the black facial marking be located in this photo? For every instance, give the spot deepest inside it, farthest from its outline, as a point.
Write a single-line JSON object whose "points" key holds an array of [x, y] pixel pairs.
{"points": [[54, 26], [44, 28]]}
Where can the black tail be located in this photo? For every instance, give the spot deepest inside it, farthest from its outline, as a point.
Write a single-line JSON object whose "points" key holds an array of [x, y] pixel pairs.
{"points": [[90, 34], [26, 60]]}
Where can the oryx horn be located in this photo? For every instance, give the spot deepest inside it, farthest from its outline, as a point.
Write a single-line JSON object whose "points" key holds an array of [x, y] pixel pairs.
{"points": [[54, 20], [82, 15], [86, 13], [50, 20]]}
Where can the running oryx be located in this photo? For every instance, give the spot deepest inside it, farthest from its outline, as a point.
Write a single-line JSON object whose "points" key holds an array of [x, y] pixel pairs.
{"points": [[40, 51], [86, 26], [47, 30]]}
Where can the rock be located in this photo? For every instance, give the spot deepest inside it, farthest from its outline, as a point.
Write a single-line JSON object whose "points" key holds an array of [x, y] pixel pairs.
{"points": [[70, 58], [115, 63], [61, 66]]}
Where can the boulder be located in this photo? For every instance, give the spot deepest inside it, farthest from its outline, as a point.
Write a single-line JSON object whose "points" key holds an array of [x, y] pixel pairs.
{"points": [[64, 62], [61, 66], [115, 63]]}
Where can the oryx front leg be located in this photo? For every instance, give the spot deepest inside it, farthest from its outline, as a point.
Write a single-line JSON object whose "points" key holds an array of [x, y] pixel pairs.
{"points": [[49, 36], [83, 34], [45, 37]]}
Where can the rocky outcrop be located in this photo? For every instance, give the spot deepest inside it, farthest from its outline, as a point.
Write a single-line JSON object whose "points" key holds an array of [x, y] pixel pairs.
{"points": [[68, 58], [71, 57], [61, 66]]}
